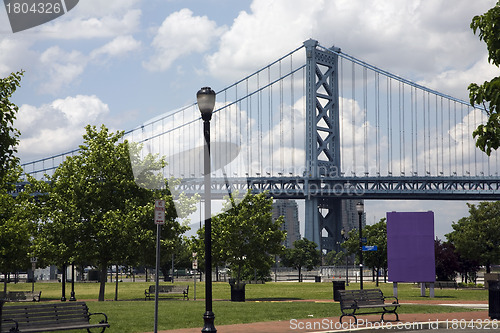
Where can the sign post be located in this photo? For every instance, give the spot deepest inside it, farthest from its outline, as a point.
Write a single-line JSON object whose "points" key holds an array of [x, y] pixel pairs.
{"points": [[195, 268], [159, 221], [33, 260]]}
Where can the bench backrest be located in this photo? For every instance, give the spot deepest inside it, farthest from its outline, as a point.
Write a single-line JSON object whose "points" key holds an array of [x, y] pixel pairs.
{"points": [[351, 298], [21, 296], [168, 288], [161, 288], [45, 315]]}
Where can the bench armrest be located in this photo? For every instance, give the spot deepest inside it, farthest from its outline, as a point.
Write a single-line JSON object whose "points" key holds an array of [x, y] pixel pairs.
{"points": [[15, 322], [394, 297], [100, 313]]}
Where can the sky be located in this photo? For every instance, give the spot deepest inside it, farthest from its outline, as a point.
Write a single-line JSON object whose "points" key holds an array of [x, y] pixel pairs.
{"points": [[123, 62]]}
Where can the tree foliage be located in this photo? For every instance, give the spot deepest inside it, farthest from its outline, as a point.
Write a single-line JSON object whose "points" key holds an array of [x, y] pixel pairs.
{"points": [[488, 94], [8, 133], [477, 236], [304, 254], [375, 234], [446, 258], [245, 237], [95, 213], [15, 226]]}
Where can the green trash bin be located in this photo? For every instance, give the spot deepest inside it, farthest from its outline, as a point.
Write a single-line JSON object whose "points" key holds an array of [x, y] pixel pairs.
{"points": [[494, 299], [337, 285]]}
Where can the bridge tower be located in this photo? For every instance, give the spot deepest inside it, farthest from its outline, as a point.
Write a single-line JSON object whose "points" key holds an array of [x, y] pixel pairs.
{"points": [[323, 215]]}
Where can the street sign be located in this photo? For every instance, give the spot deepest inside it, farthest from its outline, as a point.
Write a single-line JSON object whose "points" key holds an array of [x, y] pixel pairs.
{"points": [[34, 260], [159, 211], [369, 247], [195, 264]]}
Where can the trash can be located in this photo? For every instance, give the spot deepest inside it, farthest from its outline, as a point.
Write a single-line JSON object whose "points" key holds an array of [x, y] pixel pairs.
{"points": [[494, 299], [337, 285], [317, 278]]}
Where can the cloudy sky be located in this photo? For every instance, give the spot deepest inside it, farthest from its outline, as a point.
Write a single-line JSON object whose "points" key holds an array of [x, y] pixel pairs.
{"points": [[122, 62]]}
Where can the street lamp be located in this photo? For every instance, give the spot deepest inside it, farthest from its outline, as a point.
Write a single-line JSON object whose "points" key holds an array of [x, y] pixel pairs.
{"points": [[360, 207], [206, 102], [344, 237]]}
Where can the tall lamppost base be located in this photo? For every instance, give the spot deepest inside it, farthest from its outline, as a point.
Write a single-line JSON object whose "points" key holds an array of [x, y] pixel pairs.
{"points": [[209, 318]]}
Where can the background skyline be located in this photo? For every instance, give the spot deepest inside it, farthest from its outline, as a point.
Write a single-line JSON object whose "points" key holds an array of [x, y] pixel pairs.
{"points": [[121, 63]]}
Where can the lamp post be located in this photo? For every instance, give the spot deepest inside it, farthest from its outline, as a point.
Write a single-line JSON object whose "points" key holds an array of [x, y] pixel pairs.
{"points": [[344, 237], [360, 207], [206, 102]]}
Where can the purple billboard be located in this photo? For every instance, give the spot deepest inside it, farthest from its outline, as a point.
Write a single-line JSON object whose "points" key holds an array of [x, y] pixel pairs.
{"points": [[410, 247]]}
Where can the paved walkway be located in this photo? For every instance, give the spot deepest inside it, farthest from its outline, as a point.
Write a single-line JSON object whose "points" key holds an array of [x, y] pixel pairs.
{"points": [[435, 322]]}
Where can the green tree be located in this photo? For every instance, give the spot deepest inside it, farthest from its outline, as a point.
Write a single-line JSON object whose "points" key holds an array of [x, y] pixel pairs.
{"points": [[477, 236], [15, 234], [488, 94], [245, 237], [95, 213], [333, 258], [447, 264], [15, 231], [304, 254], [8, 133], [375, 234]]}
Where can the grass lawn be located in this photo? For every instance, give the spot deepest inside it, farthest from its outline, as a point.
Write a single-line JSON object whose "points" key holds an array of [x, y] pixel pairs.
{"points": [[268, 302]]}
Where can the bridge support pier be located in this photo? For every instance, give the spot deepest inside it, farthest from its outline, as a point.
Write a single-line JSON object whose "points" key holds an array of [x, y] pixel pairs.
{"points": [[324, 222]]}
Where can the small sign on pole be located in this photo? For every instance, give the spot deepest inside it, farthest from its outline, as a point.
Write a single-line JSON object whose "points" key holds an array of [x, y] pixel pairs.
{"points": [[159, 221], [159, 211], [370, 248]]}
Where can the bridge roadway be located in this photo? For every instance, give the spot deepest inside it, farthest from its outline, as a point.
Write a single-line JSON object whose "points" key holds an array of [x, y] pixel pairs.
{"points": [[380, 188], [383, 187]]}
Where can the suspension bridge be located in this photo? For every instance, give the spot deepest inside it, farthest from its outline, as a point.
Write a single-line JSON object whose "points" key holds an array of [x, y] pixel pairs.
{"points": [[320, 125]]}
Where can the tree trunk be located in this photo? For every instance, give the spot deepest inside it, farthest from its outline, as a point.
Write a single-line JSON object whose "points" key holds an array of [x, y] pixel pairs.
{"points": [[376, 272], [300, 275], [102, 286]]}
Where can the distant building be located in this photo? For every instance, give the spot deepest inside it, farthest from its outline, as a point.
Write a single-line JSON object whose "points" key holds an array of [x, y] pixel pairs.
{"points": [[350, 218], [290, 212]]}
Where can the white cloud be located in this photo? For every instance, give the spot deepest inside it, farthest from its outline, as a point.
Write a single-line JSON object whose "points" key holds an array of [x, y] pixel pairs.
{"points": [[15, 55], [259, 37], [86, 27], [181, 34], [61, 67], [57, 127], [117, 47], [454, 82], [411, 38]]}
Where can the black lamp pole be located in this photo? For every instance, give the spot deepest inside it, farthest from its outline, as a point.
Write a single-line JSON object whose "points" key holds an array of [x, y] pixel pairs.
{"points": [[360, 208], [63, 296], [206, 103]]}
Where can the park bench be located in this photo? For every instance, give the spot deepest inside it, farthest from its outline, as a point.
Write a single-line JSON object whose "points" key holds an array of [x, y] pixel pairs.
{"points": [[443, 284], [50, 317], [167, 290], [366, 300], [21, 296]]}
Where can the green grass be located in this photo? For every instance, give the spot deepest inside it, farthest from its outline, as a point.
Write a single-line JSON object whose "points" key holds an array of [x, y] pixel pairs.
{"points": [[268, 302], [268, 291]]}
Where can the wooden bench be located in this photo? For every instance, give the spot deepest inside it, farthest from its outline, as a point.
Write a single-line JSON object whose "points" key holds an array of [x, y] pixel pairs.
{"points": [[443, 284], [167, 290], [366, 300], [21, 296], [49, 317]]}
